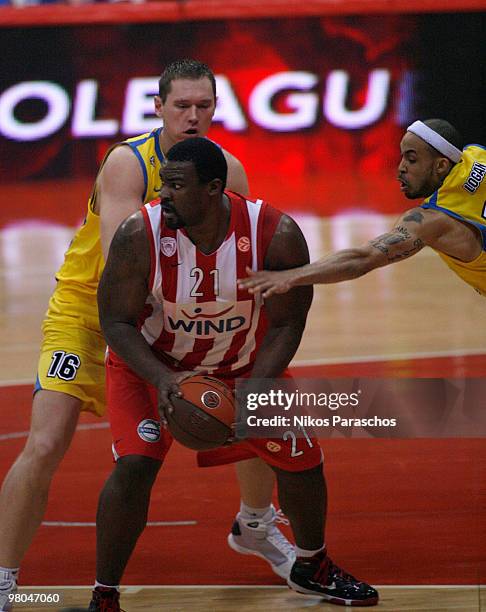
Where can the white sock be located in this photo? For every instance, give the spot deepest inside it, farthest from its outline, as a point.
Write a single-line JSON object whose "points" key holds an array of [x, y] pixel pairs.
{"points": [[302, 552], [107, 586], [7, 574], [249, 512]]}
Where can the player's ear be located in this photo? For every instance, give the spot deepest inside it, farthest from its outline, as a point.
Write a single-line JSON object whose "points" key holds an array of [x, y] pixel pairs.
{"points": [[442, 166], [158, 106], [215, 186]]}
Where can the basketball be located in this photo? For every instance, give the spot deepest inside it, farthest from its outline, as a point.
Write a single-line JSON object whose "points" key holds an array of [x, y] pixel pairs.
{"points": [[204, 417]]}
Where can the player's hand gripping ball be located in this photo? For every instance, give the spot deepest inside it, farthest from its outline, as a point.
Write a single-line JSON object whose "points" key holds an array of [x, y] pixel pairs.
{"points": [[203, 418]]}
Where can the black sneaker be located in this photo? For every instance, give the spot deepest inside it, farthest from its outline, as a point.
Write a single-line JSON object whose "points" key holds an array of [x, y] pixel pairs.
{"points": [[319, 576], [105, 600]]}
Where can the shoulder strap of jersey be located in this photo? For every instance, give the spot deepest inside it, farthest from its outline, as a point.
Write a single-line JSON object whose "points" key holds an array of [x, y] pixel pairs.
{"points": [[151, 216], [133, 143], [267, 226]]}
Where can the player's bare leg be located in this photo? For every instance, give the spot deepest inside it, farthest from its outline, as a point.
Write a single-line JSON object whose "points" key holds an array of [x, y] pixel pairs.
{"points": [[303, 498], [256, 480], [23, 496], [254, 530], [122, 514], [120, 520]]}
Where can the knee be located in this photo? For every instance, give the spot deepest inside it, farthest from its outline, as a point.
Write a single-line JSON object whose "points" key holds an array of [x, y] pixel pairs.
{"points": [[45, 451], [315, 474], [135, 474], [308, 483]]}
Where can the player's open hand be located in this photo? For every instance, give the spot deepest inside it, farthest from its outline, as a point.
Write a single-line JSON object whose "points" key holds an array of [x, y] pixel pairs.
{"points": [[266, 282]]}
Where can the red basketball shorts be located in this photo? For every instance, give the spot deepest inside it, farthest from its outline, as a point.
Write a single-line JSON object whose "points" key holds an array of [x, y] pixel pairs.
{"points": [[136, 429], [134, 418]]}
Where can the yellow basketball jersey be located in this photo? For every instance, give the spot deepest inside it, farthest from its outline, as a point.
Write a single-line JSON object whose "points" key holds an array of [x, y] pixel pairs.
{"points": [[462, 195], [78, 277]]}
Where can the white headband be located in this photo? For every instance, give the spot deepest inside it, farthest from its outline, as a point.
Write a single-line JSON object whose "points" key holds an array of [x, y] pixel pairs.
{"points": [[435, 140]]}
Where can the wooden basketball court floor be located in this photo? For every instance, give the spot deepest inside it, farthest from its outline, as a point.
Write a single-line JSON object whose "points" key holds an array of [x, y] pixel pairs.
{"points": [[390, 323]]}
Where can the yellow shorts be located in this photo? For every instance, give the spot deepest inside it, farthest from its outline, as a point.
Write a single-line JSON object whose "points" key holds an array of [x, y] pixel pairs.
{"points": [[72, 360]]}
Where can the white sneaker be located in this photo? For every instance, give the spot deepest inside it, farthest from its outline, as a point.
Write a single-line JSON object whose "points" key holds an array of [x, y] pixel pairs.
{"points": [[261, 537], [7, 587]]}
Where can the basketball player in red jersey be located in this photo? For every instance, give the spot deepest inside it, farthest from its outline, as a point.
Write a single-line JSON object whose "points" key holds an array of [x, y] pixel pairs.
{"points": [[170, 265]]}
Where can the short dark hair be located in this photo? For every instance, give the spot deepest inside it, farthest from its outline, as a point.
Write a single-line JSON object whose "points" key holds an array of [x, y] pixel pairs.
{"points": [[207, 157], [184, 69], [447, 131]]}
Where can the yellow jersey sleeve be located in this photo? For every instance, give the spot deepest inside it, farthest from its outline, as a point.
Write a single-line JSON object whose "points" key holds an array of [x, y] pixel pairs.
{"points": [[149, 154]]}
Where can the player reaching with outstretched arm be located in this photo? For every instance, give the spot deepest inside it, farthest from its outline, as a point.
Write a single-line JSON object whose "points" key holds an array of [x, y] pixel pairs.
{"points": [[451, 220]]}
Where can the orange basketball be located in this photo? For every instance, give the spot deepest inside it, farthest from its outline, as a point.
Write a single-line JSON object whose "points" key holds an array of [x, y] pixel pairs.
{"points": [[203, 418]]}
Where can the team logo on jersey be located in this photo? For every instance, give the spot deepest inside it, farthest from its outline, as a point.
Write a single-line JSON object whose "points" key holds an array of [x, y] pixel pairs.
{"points": [[149, 430], [198, 314], [244, 244], [168, 246], [273, 447], [475, 177], [211, 399], [152, 161], [207, 319]]}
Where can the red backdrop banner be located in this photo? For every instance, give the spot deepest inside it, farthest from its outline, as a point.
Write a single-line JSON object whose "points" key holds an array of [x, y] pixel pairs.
{"points": [[314, 107]]}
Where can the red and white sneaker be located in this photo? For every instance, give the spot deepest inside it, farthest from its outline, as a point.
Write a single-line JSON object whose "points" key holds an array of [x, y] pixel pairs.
{"points": [[105, 600], [318, 575]]}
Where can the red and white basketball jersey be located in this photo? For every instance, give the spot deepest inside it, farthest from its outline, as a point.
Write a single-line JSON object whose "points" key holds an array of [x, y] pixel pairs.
{"points": [[196, 317]]}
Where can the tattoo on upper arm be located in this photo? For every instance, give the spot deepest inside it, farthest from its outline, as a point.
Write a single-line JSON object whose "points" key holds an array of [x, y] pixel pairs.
{"points": [[129, 253], [399, 234], [414, 215]]}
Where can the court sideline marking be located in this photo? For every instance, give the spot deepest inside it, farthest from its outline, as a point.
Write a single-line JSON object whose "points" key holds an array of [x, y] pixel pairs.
{"points": [[93, 524]]}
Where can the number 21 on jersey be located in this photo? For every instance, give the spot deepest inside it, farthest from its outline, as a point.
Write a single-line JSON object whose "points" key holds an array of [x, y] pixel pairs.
{"points": [[198, 275]]}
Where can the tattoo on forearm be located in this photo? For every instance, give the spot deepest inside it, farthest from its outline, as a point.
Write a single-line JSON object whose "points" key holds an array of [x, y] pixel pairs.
{"points": [[388, 242], [398, 234]]}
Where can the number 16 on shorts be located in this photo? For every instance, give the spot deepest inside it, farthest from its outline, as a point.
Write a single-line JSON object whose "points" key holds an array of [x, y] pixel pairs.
{"points": [[64, 365]]}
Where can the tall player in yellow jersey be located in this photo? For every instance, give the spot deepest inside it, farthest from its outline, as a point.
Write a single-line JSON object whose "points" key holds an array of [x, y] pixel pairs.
{"points": [[451, 219], [71, 365]]}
